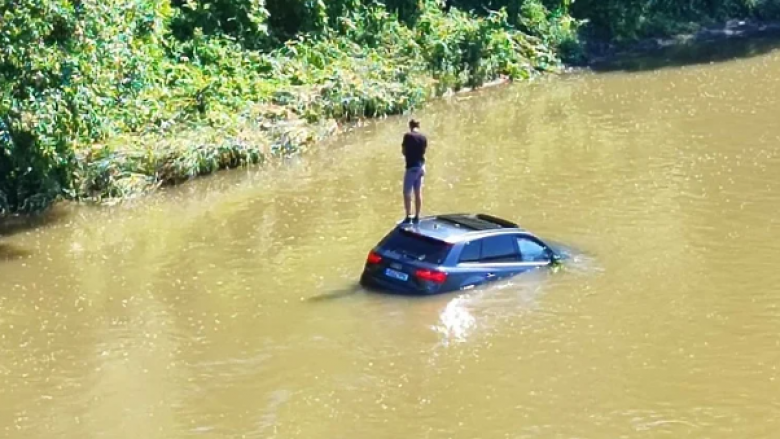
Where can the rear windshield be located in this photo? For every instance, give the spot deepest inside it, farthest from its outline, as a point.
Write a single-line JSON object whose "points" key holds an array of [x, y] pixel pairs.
{"points": [[416, 247]]}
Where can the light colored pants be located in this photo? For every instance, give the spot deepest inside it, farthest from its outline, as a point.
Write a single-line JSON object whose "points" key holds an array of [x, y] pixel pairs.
{"points": [[413, 179]]}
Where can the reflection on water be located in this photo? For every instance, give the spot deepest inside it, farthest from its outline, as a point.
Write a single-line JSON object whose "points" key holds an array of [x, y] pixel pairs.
{"points": [[229, 307], [455, 321], [707, 52]]}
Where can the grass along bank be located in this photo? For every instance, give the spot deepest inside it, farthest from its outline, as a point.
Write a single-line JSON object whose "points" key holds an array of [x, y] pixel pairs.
{"points": [[107, 101]]}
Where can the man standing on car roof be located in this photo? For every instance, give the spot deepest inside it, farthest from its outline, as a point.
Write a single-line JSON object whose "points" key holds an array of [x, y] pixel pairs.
{"points": [[413, 147]]}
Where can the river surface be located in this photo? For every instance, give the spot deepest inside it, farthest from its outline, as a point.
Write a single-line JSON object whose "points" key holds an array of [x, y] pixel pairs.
{"points": [[228, 307]]}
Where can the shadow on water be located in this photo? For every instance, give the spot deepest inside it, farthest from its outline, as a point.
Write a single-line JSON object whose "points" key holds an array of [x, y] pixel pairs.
{"points": [[336, 294], [699, 51], [11, 253], [354, 289], [11, 225]]}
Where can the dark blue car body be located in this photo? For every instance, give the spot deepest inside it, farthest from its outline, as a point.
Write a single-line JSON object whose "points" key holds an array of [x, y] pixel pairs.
{"points": [[453, 252]]}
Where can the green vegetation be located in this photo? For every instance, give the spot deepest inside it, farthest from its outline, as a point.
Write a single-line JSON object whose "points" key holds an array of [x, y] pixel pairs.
{"points": [[625, 21], [111, 99]]}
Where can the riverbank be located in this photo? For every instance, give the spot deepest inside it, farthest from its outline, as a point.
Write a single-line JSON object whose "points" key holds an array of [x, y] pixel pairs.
{"points": [[599, 52], [112, 111], [133, 165], [103, 107], [266, 132]]}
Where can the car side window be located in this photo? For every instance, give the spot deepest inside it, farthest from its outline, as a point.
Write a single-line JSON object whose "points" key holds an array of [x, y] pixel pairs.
{"points": [[471, 251], [532, 251], [500, 248]]}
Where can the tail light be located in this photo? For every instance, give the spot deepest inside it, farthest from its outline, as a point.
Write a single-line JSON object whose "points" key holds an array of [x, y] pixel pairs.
{"points": [[373, 258], [438, 277]]}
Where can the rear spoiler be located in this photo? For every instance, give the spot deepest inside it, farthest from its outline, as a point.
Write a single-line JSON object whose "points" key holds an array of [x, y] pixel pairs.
{"points": [[410, 230]]}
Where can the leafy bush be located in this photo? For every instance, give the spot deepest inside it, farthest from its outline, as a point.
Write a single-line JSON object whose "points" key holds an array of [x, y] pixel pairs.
{"points": [[628, 20], [245, 20], [72, 73], [767, 9]]}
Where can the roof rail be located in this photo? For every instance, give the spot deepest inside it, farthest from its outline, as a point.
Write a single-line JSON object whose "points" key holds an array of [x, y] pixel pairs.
{"points": [[495, 220], [477, 221]]}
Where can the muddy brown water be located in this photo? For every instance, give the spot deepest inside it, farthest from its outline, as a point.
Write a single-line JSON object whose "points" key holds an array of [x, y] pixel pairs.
{"points": [[228, 307]]}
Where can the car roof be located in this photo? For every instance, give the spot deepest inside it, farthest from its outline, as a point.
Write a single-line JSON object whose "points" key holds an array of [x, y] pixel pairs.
{"points": [[458, 227]]}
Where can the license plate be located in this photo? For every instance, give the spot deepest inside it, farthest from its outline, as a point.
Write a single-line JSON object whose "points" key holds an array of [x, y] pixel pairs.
{"points": [[396, 274]]}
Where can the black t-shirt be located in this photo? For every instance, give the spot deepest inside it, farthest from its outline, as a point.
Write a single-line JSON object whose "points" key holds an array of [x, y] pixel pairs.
{"points": [[414, 146]]}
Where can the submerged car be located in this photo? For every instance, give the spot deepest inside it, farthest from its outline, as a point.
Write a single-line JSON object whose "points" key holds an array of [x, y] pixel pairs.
{"points": [[452, 252]]}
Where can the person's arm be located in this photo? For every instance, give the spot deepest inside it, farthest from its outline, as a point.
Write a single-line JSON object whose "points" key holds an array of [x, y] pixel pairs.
{"points": [[403, 145]]}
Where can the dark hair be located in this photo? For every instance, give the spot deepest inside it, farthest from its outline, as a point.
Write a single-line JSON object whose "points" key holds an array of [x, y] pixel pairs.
{"points": [[414, 123]]}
